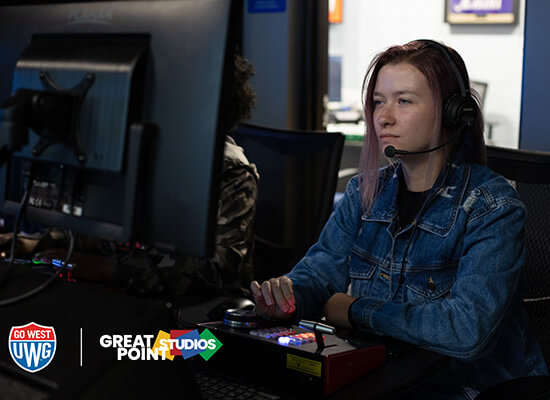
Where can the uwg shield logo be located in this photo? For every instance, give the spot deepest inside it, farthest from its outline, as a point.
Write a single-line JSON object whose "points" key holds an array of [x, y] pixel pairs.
{"points": [[32, 346]]}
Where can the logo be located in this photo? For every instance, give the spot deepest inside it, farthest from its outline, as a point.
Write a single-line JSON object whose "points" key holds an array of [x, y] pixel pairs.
{"points": [[90, 16], [189, 343], [185, 343], [32, 346]]}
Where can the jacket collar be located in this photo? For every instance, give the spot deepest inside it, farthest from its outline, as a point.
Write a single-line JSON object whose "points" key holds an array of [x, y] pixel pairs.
{"points": [[440, 209]]}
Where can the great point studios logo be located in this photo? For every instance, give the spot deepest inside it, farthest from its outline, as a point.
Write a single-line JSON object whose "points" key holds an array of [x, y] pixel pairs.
{"points": [[185, 343], [32, 346]]}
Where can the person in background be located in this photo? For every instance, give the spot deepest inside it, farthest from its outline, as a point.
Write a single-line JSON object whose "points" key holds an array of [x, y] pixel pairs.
{"points": [[428, 249], [146, 271]]}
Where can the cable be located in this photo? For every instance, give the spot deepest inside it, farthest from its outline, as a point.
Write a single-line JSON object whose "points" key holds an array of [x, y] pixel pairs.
{"points": [[20, 209], [37, 289]]}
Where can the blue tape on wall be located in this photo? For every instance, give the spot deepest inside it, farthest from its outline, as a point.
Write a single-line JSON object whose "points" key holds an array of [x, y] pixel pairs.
{"points": [[266, 6]]}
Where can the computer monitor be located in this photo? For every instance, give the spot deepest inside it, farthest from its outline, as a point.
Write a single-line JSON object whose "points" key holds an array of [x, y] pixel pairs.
{"points": [[481, 89], [125, 101], [335, 78]]}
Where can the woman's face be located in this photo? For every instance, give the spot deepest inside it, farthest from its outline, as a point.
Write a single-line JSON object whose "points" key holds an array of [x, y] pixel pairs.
{"points": [[404, 108]]}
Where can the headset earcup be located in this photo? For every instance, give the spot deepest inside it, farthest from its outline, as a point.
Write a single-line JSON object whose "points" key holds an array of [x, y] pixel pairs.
{"points": [[459, 111]]}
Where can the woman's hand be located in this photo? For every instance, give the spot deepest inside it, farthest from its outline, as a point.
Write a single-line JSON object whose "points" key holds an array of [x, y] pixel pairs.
{"points": [[274, 298]]}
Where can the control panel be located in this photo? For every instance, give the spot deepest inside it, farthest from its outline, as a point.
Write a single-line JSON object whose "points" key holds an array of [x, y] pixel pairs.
{"points": [[327, 361]]}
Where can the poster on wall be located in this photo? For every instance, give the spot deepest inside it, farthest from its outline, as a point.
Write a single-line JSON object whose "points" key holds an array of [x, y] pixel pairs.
{"points": [[495, 12], [335, 11]]}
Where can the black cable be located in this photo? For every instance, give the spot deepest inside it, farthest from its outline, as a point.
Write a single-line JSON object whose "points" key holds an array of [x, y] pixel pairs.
{"points": [[20, 209], [37, 289]]}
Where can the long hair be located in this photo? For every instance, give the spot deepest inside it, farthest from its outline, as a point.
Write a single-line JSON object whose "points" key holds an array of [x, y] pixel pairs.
{"points": [[244, 97], [442, 82]]}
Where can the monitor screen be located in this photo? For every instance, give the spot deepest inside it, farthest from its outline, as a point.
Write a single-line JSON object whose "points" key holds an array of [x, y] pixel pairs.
{"points": [[123, 105], [335, 78]]}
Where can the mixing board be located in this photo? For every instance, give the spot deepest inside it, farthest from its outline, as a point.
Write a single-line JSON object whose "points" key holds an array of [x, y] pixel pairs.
{"points": [[327, 361]]}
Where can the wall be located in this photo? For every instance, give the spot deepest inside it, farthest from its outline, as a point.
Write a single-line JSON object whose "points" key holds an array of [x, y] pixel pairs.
{"points": [[288, 48], [269, 55], [493, 54], [534, 133]]}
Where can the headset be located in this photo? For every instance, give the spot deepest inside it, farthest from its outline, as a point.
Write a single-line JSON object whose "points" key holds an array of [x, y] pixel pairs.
{"points": [[459, 110]]}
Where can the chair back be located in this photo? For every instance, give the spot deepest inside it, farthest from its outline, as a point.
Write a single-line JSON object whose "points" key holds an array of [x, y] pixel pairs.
{"points": [[298, 175], [529, 172]]}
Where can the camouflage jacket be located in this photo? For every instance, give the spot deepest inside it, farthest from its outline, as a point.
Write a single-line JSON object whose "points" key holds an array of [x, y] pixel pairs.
{"points": [[229, 270]]}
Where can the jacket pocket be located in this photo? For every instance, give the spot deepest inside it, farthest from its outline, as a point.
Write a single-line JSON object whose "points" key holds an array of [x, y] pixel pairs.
{"points": [[430, 284], [362, 269]]}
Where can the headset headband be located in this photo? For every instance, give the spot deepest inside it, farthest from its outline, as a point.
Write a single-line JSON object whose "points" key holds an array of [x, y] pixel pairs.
{"points": [[452, 64]]}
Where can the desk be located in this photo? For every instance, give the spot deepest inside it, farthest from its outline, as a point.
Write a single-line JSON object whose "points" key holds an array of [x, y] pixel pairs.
{"points": [[395, 377], [69, 307], [405, 367], [354, 132]]}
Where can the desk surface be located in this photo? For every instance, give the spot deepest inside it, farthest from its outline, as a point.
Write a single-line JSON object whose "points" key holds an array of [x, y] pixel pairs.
{"points": [[71, 306], [405, 367], [81, 368], [395, 377]]}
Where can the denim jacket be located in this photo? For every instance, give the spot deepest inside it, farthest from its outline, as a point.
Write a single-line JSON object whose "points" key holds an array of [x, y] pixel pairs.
{"points": [[447, 282]]}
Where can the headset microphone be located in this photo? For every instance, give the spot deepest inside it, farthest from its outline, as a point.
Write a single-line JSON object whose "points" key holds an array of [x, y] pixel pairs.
{"points": [[391, 151]]}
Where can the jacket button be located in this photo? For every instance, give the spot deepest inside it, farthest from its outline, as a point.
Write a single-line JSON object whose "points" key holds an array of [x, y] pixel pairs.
{"points": [[431, 285]]}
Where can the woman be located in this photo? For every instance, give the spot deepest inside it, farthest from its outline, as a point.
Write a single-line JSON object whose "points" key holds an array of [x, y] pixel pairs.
{"points": [[428, 249]]}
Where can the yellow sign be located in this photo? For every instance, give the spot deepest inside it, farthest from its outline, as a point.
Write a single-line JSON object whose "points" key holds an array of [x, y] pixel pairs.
{"points": [[302, 364]]}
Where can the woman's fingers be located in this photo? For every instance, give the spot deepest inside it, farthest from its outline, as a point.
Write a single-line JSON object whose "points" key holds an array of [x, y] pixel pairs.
{"points": [[258, 296], [286, 287], [255, 289], [274, 297], [267, 292], [282, 293]]}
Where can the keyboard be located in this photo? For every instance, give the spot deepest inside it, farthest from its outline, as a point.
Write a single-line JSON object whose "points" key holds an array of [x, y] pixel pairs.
{"points": [[14, 389], [214, 385]]}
